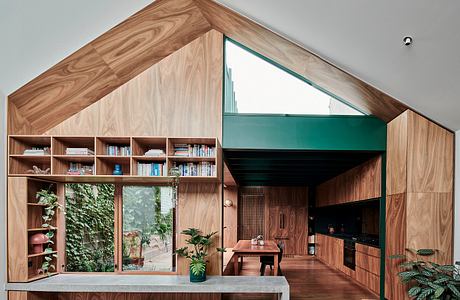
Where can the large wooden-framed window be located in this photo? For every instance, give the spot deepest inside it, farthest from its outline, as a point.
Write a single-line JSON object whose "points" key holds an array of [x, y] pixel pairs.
{"points": [[119, 228]]}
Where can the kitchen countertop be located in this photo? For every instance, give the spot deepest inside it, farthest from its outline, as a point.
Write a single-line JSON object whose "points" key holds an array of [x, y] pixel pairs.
{"points": [[349, 237], [155, 284]]}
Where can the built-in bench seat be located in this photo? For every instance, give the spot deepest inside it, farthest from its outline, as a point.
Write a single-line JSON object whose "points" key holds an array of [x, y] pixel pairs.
{"points": [[156, 284]]}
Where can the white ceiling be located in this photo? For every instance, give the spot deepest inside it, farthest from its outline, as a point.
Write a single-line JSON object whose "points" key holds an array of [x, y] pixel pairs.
{"points": [[364, 38]]}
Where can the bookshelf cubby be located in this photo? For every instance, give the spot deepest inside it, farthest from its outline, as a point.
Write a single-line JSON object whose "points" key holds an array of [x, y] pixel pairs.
{"points": [[146, 150], [25, 220]]}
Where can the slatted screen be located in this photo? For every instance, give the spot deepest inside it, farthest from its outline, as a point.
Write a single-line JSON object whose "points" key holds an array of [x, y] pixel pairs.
{"points": [[250, 216]]}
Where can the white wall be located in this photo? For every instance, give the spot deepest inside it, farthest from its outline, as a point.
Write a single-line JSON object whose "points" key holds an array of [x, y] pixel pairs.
{"points": [[457, 199], [2, 194]]}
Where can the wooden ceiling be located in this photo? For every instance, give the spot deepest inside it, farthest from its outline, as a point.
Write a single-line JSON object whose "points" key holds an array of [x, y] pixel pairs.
{"points": [[154, 33]]}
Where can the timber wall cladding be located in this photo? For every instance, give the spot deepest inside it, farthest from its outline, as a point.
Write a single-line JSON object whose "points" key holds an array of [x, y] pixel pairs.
{"points": [[104, 64], [179, 96], [419, 193]]}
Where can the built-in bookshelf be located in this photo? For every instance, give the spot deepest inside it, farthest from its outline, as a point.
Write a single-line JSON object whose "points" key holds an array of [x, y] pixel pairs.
{"points": [[25, 221], [94, 158]]}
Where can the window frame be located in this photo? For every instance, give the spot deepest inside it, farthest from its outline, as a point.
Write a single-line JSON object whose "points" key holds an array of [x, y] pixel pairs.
{"points": [[118, 235]]}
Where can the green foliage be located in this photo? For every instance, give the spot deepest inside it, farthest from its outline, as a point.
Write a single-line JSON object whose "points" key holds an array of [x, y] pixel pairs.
{"points": [[51, 202], [428, 280], [90, 227], [197, 255]]}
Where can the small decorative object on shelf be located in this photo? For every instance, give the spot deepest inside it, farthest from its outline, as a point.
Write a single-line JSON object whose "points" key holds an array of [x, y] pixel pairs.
{"points": [[79, 151], [197, 255], [155, 152], [37, 242], [51, 202], [37, 151], [80, 169], [117, 170], [36, 170]]}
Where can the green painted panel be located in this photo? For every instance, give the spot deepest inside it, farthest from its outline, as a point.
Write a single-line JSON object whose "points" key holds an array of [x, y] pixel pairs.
{"points": [[316, 133]]}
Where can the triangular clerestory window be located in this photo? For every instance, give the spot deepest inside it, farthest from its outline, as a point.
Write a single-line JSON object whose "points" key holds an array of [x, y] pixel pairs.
{"points": [[254, 85]]}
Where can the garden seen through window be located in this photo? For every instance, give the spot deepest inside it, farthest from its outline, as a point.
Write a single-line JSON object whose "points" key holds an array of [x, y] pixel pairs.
{"points": [[145, 229]]}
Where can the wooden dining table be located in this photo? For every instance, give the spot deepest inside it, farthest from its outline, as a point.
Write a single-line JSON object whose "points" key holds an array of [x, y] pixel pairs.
{"points": [[245, 248]]}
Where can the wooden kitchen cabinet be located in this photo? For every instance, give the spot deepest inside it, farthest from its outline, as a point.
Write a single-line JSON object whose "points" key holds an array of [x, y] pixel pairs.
{"points": [[360, 183]]}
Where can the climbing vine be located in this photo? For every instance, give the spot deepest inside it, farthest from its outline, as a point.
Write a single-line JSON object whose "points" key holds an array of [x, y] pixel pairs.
{"points": [[90, 227]]}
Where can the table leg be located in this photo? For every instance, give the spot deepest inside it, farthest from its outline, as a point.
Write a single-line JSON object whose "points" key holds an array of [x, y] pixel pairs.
{"points": [[235, 264], [275, 267]]}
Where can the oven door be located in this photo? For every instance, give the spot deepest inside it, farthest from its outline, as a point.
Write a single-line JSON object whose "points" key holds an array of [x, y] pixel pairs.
{"points": [[349, 256]]}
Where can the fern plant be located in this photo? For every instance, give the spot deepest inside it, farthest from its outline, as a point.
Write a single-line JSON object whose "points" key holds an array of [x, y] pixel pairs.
{"points": [[428, 280], [197, 255]]}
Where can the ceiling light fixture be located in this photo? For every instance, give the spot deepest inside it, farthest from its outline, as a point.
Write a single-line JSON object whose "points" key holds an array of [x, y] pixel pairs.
{"points": [[407, 40]]}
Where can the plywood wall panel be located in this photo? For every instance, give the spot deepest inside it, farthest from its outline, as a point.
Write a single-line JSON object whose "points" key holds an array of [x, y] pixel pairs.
{"points": [[17, 229], [180, 96], [231, 217], [429, 224], [200, 206], [397, 155], [430, 159]]}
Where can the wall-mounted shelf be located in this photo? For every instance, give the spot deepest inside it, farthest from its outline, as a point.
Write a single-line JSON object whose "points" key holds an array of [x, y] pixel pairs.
{"points": [[198, 156]]}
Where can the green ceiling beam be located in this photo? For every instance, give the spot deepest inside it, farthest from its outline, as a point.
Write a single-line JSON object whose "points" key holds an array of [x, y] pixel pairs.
{"points": [[313, 133]]}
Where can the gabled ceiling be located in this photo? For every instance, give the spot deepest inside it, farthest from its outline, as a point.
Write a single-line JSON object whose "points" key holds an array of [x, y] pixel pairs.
{"points": [[364, 38], [150, 35]]}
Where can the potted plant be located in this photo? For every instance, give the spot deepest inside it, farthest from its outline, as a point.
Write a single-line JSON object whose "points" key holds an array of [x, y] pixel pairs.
{"points": [[200, 244], [51, 202], [428, 280]]}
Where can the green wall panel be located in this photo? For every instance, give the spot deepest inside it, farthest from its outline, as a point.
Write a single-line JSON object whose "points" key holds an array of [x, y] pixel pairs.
{"points": [[316, 133]]}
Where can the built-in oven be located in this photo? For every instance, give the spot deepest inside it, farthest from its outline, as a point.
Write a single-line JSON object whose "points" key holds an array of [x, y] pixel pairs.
{"points": [[349, 253]]}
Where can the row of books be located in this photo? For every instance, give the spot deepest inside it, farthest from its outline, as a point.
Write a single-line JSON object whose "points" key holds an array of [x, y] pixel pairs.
{"points": [[193, 150], [151, 169], [79, 151], [37, 151], [118, 150], [196, 169], [80, 169]]}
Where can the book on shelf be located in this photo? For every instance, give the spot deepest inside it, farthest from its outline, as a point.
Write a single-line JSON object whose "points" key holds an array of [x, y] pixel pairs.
{"points": [[37, 151], [116, 150], [151, 169], [196, 169], [194, 150], [155, 152], [79, 151], [80, 169]]}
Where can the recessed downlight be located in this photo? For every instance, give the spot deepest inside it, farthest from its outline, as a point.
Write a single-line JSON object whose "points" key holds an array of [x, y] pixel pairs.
{"points": [[407, 40]]}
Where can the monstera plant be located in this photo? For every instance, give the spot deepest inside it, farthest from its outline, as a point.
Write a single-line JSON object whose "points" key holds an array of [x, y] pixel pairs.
{"points": [[426, 279]]}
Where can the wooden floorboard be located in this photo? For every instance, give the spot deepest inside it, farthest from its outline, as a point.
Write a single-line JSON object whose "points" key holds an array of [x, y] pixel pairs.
{"points": [[308, 279]]}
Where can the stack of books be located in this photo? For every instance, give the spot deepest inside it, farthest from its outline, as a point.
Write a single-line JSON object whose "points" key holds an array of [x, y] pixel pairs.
{"points": [[189, 150], [118, 150], [80, 169], [155, 152], [79, 151], [37, 151], [194, 169], [151, 169]]}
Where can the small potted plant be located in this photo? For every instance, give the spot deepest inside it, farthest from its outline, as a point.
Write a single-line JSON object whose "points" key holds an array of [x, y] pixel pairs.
{"points": [[428, 280], [200, 244]]}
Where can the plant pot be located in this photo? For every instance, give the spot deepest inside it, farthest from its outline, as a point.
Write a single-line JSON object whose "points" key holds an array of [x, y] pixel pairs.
{"points": [[197, 278]]}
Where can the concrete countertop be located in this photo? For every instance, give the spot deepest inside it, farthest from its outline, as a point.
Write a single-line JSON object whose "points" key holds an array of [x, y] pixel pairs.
{"points": [[155, 284]]}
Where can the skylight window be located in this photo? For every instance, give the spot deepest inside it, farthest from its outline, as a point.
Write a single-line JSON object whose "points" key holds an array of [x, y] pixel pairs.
{"points": [[255, 86]]}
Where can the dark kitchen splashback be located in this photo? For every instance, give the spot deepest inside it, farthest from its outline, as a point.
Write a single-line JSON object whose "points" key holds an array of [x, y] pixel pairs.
{"points": [[359, 220]]}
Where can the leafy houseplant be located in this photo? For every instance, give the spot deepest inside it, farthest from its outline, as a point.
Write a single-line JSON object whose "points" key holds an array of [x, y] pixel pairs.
{"points": [[429, 280], [50, 201], [197, 255]]}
